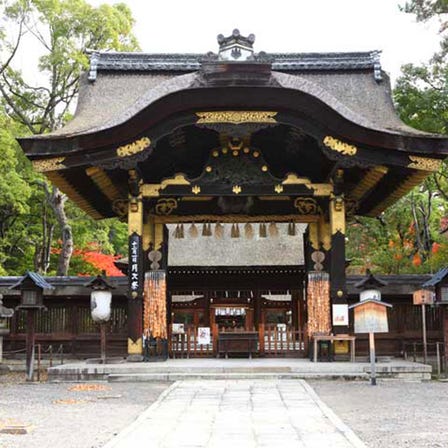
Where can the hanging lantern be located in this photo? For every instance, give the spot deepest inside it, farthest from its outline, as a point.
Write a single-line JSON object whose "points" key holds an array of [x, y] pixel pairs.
{"points": [[262, 230], [235, 231], [248, 231], [181, 231]]}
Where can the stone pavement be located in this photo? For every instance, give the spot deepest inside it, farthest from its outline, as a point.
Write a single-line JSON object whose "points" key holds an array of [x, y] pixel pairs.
{"points": [[237, 414]]}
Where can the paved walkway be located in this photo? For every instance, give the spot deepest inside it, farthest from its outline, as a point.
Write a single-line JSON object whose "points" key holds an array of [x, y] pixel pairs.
{"points": [[238, 414]]}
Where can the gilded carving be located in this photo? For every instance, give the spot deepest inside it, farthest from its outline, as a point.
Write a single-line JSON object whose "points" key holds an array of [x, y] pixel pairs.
{"points": [[236, 189], [53, 164], [293, 179], [424, 163], [134, 147], [278, 188], [306, 206], [318, 189], [337, 215], [178, 179], [339, 146], [321, 189], [120, 207], [165, 206], [236, 117], [196, 189], [153, 190]]}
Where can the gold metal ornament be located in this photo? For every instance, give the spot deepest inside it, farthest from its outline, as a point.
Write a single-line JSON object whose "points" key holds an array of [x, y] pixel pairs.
{"points": [[424, 163], [165, 206], [306, 206], [236, 117], [120, 207], [340, 146], [196, 189], [53, 164], [278, 188], [237, 189], [134, 147]]}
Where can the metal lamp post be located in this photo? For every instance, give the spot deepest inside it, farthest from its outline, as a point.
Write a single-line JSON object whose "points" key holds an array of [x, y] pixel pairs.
{"points": [[100, 305]]}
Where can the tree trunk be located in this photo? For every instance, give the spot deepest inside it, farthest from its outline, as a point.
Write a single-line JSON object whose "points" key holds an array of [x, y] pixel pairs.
{"points": [[57, 202]]}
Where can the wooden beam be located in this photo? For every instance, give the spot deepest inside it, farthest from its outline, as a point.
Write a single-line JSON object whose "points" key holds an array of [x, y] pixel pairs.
{"points": [[407, 185], [103, 182], [368, 182], [66, 187], [173, 219]]}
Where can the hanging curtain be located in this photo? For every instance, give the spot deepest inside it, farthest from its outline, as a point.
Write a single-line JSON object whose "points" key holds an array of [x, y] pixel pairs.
{"points": [[154, 306], [318, 303]]}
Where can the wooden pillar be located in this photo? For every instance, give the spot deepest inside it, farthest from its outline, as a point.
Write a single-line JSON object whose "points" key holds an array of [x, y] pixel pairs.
{"points": [[135, 274], [445, 335], [157, 307], [338, 283]]}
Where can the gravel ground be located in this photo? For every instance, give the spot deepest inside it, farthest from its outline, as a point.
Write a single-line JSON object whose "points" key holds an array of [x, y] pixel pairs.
{"points": [[68, 418], [393, 414]]}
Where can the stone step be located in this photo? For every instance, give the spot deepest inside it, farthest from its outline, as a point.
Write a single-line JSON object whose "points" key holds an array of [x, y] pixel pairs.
{"points": [[170, 376]]}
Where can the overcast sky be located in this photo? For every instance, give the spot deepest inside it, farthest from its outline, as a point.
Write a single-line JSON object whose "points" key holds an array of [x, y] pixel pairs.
{"points": [[285, 25]]}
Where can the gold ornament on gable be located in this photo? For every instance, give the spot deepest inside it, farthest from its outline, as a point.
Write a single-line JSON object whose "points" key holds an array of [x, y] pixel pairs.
{"points": [[53, 164], [424, 163], [236, 117], [134, 147], [339, 146]]}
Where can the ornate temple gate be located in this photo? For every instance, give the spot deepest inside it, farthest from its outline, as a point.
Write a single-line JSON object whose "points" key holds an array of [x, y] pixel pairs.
{"points": [[235, 137]]}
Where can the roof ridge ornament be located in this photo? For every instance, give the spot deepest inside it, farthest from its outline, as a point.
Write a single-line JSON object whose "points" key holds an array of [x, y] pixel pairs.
{"points": [[236, 47], [377, 72]]}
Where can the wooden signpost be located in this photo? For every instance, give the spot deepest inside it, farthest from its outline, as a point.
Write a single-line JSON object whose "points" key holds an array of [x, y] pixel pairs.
{"points": [[371, 317]]}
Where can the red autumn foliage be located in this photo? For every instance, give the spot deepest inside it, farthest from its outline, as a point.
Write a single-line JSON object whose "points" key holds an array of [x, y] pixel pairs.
{"points": [[416, 260], [435, 247], [99, 261]]}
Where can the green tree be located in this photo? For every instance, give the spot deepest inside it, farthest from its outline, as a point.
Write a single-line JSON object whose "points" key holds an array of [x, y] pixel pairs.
{"points": [[409, 236], [64, 29]]}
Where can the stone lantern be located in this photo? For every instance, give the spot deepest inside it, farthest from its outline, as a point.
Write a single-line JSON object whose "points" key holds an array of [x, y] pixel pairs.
{"points": [[5, 313], [31, 287]]}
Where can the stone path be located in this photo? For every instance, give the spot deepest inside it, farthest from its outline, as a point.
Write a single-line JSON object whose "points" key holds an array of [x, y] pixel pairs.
{"points": [[238, 414]]}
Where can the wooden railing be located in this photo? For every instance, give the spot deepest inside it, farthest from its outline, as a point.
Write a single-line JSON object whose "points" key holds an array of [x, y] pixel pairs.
{"points": [[281, 341], [272, 341], [186, 345]]}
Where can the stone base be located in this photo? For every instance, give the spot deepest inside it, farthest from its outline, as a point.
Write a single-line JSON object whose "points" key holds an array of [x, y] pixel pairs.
{"points": [[134, 358], [177, 369]]}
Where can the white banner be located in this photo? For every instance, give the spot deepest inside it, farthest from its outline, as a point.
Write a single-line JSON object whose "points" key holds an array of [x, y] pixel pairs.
{"points": [[340, 315], [204, 335]]}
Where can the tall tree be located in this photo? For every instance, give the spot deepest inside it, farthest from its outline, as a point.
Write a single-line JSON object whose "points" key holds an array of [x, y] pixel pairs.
{"points": [[409, 237], [64, 30]]}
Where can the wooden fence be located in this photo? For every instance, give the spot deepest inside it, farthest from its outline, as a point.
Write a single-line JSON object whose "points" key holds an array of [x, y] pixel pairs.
{"points": [[273, 341]]}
